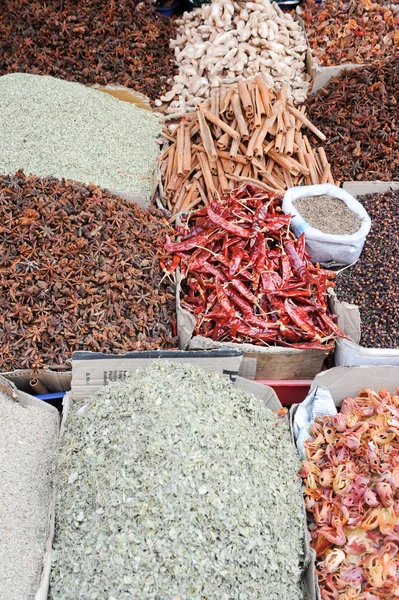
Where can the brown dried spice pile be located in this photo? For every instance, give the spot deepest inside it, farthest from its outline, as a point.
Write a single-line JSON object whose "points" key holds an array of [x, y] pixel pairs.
{"points": [[89, 41], [351, 32], [359, 113], [372, 283], [79, 270]]}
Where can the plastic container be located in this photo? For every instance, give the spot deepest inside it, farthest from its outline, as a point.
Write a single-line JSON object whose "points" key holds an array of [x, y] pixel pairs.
{"points": [[324, 247], [289, 391], [167, 11], [53, 398]]}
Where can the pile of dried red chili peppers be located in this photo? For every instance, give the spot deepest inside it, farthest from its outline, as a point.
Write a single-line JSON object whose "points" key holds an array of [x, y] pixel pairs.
{"points": [[247, 278]]}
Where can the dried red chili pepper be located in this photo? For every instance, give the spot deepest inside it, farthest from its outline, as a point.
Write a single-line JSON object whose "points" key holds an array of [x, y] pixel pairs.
{"points": [[244, 306], [238, 255], [255, 286], [221, 222], [296, 262]]}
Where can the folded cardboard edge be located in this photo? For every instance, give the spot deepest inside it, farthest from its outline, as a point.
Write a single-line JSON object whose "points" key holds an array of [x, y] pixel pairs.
{"points": [[361, 188], [348, 381], [348, 316], [53, 381], [349, 320], [90, 371]]}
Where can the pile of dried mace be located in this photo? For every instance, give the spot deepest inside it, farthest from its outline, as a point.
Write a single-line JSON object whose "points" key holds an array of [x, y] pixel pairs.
{"points": [[351, 32], [119, 43], [359, 114], [372, 283], [79, 270]]}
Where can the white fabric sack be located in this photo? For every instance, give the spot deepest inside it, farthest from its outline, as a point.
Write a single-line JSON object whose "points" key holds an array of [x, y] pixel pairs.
{"points": [[317, 403], [325, 247]]}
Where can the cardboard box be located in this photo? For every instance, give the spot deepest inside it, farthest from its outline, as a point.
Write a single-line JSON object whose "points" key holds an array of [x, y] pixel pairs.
{"points": [[92, 370], [106, 367], [361, 188], [53, 381], [100, 368], [28, 400]]}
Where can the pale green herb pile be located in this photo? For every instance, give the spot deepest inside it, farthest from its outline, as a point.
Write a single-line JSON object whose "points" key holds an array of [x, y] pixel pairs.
{"points": [[173, 485], [54, 127]]}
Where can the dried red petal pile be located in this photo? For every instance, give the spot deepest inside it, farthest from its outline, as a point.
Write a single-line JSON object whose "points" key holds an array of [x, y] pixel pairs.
{"points": [[352, 496], [351, 32], [248, 278], [122, 42]]}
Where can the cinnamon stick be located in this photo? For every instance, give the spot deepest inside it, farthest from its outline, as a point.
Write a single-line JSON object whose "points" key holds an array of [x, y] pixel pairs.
{"points": [[289, 141], [297, 113], [217, 121], [245, 99], [265, 94], [187, 151], [180, 149], [279, 142], [235, 145], [206, 137], [239, 117], [222, 177]]}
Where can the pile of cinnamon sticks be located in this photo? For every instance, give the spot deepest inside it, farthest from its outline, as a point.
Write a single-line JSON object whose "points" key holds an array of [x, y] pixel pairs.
{"points": [[244, 133]]}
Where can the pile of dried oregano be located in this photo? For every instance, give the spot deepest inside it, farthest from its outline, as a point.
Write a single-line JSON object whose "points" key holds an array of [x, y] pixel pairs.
{"points": [[174, 485]]}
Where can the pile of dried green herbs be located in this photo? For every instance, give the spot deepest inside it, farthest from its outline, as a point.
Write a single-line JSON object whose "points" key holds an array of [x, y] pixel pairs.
{"points": [[175, 485]]}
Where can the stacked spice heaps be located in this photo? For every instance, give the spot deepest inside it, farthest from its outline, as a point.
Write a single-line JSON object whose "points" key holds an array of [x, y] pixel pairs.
{"points": [[245, 132]]}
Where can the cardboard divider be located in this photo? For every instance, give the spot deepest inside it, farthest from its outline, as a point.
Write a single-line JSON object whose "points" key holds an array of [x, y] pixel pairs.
{"points": [[361, 188], [92, 370]]}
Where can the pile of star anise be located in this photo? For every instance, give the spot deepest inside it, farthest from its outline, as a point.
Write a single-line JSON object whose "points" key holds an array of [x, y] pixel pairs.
{"points": [[118, 42], [79, 270]]}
